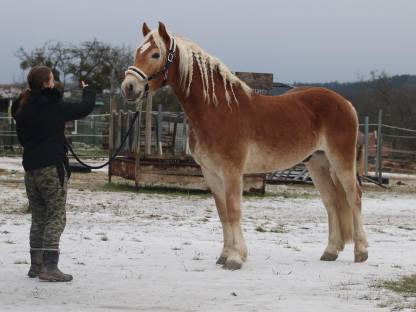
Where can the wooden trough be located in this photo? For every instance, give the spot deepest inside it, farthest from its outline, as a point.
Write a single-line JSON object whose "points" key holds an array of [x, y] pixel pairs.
{"points": [[156, 153]]}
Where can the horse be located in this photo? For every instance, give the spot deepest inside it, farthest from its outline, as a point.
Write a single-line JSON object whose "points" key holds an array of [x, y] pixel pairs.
{"points": [[235, 131]]}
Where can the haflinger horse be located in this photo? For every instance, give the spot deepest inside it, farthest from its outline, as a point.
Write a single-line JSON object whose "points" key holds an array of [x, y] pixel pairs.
{"points": [[235, 131]]}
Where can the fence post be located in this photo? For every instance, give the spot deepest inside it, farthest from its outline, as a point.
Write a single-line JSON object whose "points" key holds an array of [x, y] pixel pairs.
{"points": [[148, 129], [379, 148], [366, 122], [137, 128], [12, 127], [113, 111], [185, 135], [94, 130], [159, 129]]}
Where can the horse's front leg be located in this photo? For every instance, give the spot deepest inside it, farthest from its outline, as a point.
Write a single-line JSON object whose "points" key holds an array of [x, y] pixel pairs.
{"points": [[237, 254], [216, 185]]}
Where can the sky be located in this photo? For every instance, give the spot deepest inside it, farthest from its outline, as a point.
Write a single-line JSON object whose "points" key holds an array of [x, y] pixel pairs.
{"points": [[296, 40]]}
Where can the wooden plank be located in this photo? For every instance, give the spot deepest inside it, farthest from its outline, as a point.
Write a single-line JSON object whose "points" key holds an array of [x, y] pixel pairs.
{"points": [[127, 146], [119, 129], [186, 136], [179, 176], [175, 125], [252, 184]]}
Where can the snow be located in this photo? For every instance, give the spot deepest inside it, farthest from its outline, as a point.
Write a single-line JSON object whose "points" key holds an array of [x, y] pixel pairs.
{"points": [[156, 252]]}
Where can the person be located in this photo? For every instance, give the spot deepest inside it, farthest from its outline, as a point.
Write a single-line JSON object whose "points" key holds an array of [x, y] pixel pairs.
{"points": [[40, 115]]}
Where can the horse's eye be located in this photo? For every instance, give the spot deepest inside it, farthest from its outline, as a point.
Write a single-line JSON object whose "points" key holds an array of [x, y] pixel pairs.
{"points": [[156, 55]]}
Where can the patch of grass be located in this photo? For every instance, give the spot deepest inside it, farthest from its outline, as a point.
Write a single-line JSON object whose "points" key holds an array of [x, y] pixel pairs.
{"points": [[292, 194], [260, 229], [407, 228], [118, 187], [126, 187], [406, 285], [21, 262], [130, 187], [275, 229], [279, 229]]}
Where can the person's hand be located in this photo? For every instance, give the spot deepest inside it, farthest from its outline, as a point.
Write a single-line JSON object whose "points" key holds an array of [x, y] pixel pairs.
{"points": [[83, 84]]}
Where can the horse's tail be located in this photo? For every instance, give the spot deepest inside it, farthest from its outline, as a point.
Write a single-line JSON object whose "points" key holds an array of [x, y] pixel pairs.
{"points": [[360, 159]]}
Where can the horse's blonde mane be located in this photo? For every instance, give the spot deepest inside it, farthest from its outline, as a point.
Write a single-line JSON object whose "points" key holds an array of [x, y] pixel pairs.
{"points": [[189, 54]]}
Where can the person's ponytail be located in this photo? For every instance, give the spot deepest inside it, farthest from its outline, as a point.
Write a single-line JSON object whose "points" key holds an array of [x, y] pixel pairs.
{"points": [[20, 102]]}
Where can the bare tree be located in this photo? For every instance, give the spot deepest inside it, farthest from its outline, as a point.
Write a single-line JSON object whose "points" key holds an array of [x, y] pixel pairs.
{"points": [[92, 61], [55, 55]]}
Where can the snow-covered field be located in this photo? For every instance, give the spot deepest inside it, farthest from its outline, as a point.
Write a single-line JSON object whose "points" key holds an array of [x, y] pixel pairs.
{"points": [[156, 252]]}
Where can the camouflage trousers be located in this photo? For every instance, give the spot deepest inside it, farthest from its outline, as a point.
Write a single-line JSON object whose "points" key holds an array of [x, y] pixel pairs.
{"points": [[47, 198]]}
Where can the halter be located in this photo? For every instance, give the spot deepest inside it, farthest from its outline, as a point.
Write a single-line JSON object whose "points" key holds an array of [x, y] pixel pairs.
{"points": [[141, 76]]}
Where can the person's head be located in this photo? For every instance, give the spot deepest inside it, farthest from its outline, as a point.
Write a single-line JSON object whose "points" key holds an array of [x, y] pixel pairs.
{"points": [[40, 77]]}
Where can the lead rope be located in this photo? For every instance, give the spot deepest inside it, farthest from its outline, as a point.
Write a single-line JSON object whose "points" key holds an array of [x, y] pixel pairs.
{"points": [[115, 154]]}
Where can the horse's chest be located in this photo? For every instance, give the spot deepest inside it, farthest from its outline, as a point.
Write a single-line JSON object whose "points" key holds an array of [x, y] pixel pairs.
{"points": [[196, 148]]}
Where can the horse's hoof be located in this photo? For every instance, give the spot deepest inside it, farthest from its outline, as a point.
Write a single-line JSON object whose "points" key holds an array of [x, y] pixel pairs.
{"points": [[221, 260], [360, 257], [328, 257], [232, 265]]}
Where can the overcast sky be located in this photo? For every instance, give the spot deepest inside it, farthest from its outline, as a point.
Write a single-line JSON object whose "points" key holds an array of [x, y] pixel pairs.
{"points": [[296, 40]]}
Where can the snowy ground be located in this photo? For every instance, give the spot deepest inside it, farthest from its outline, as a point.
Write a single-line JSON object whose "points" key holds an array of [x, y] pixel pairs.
{"points": [[156, 252]]}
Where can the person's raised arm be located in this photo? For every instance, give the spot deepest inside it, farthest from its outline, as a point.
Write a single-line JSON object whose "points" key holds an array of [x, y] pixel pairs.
{"points": [[74, 110]]}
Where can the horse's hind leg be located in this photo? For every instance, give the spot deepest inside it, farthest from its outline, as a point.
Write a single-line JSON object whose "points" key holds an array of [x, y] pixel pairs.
{"points": [[319, 169], [345, 171]]}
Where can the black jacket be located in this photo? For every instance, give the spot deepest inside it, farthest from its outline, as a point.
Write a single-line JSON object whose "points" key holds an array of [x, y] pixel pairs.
{"points": [[41, 125]]}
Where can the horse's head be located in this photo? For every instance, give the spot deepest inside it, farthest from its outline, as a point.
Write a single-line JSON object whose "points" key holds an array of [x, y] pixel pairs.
{"points": [[151, 63]]}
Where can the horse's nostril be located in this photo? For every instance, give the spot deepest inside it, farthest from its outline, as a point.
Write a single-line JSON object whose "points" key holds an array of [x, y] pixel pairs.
{"points": [[130, 87]]}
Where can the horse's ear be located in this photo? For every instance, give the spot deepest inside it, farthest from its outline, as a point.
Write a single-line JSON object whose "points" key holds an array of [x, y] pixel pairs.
{"points": [[163, 32], [145, 29]]}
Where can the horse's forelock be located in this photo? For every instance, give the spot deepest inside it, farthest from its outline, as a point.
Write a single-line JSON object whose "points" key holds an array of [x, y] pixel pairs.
{"points": [[153, 37]]}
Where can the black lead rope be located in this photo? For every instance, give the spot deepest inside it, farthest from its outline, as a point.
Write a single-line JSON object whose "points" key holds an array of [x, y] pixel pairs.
{"points": [[112, 156]]}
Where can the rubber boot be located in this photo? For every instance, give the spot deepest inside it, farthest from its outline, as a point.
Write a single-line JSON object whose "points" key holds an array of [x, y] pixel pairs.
{"points": [[35, 263], [50, 271]]}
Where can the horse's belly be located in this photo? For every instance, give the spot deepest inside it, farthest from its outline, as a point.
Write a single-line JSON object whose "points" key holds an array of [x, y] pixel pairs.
{"points": [[261, 159]]}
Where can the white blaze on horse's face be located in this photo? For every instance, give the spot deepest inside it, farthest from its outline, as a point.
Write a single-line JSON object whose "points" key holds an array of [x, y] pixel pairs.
{"points": [[148, 60]]}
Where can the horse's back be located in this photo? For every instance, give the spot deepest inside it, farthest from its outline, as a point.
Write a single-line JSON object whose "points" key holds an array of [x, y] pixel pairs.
{"points": [[325, 107]]}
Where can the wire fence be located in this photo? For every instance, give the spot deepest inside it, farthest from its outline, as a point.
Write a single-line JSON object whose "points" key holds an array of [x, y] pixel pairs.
{"points": [[89, 135], [388, 148]]}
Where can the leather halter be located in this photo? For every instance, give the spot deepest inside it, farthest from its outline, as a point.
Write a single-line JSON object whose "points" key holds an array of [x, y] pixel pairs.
{"points": [[141, 76]]}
